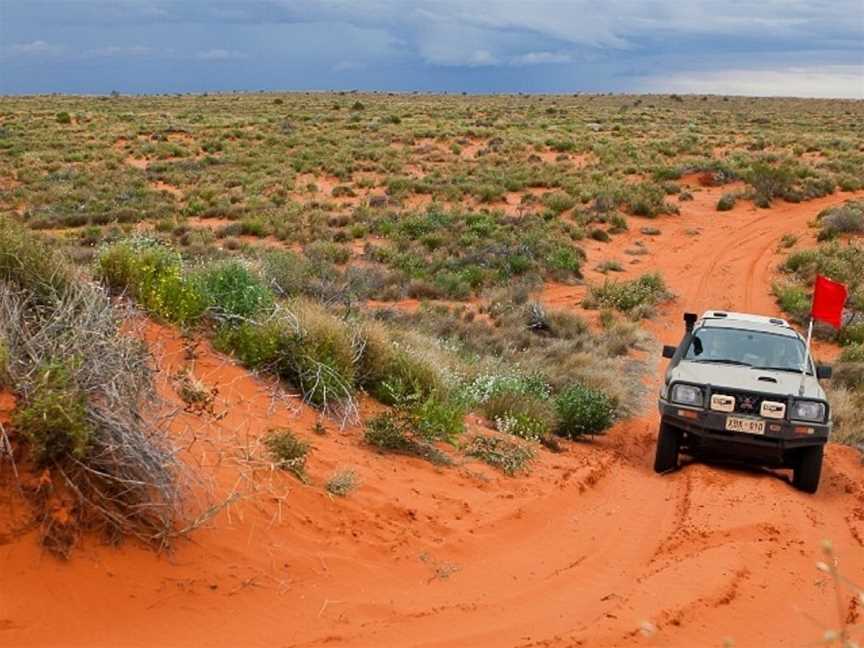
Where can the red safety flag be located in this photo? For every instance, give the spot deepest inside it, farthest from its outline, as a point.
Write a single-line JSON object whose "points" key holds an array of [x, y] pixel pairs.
{"points": [[829, 297]]}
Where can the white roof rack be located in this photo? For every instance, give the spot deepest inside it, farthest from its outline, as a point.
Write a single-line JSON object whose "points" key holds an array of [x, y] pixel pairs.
{"points": [[744, 317]]}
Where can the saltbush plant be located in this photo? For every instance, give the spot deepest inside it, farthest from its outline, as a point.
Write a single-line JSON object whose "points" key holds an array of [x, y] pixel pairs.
{"points": [[507, 455], [54, 417], [582, 411], [636, 297], [287, 451]]}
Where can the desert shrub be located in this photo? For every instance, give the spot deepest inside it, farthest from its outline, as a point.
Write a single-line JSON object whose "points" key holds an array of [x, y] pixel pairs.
{"points": [[634, 296], [647, 199], [153, 274], [256, 345], [317, 353], [232, 291], [54, 416], [600, 235], [851, 334], [520, 413], [727, 201], [342, 483], [438, 417], [769, 181], [305, 345], [793, 300], [845, 219], [392, 432], [393, 371], [507, 455], [29, 263], [559, 202], [287, 451], [610, 265], [846, 405], [285, 272], [853, 353], [849, 374], [82, 387], [582, 410], [64, 118]]}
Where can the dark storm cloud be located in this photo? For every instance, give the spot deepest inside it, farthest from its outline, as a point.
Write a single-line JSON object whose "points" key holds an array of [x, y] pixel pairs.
{"points": [[761, 47]]}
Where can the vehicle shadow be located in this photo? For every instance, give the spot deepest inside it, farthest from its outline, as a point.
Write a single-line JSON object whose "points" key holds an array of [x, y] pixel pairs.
{"points": [[731, 466]]}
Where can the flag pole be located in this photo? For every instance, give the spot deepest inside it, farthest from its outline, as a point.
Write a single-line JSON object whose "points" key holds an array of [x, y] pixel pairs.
{"points": [[806, 358]]}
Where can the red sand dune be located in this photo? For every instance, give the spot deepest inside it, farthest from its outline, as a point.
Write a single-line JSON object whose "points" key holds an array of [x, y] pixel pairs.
{"points": [[584, 551]]}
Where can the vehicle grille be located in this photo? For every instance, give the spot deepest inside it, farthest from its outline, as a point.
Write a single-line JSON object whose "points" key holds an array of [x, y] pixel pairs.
{"points": [[748, 402]]}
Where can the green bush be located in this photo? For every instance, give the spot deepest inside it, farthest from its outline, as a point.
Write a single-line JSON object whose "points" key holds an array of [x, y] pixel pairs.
{"points": [[318, 355], [851, 334], [583, 411], [342, 483], [64, 118], [254, 345], [391, 372], [391, 432], [287, 451], [232, 291], [29, 263], [286, 272], [305, 345], [627, 296], [439, 417], [520, 413], [153, 274], [845, 219], [793, 300], [769, 181], [53, 417], [853, 353], [509, 456], [647, 199], [727, 201]]}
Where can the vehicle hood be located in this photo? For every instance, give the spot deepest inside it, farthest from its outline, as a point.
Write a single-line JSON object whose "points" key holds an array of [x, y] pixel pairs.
{"points": [[745, 378]]}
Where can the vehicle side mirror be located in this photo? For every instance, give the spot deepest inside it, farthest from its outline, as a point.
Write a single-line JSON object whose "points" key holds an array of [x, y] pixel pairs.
{"points": [[824, 371], [668, 351]]}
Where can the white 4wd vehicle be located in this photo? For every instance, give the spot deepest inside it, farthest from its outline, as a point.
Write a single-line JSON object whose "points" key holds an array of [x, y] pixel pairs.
{"points": [[744, 387]]}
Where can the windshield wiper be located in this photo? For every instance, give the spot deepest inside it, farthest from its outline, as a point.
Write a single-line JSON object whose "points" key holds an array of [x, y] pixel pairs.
{"points": [[790, 369], [724, 361]]}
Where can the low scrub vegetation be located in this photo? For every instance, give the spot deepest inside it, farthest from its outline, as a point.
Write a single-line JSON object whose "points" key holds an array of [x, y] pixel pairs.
{"points": [[287, 451], [843, 262], [507, 455], [637, 298], [83, 390], [845, 219]]}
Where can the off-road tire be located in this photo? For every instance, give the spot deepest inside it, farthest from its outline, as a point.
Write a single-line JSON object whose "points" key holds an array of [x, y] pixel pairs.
{"points": [[668, 443], [808, 469]]}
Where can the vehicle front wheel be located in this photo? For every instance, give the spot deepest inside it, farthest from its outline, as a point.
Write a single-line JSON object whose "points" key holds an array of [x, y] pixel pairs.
{"points": [[668, 443], [808, 469]]}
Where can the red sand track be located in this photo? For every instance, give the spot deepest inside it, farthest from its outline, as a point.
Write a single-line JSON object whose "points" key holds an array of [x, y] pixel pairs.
{"points": [[582, 552]]}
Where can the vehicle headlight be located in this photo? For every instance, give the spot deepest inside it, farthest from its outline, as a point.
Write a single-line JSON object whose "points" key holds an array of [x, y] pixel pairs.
{"points": [[808, 410], [687, 395]]}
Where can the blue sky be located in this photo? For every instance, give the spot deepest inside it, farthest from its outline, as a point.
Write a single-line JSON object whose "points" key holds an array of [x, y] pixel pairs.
{"points": [[757, 47]]}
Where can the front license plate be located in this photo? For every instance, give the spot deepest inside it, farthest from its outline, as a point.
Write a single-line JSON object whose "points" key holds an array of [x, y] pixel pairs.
{"points": [[748, 425]]}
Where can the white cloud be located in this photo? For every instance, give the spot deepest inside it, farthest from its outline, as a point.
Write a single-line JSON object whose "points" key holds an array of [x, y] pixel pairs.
{"points": [[836, 81], [219, 55], [34, 48], [541, 58], [116, 51]]}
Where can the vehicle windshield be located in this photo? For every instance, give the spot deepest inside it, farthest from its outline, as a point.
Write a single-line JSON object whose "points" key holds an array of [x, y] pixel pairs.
{"points": [[748, 348]]}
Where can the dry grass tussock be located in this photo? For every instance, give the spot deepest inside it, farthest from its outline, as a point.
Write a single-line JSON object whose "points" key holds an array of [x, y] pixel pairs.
{"points": [[82, 386]]}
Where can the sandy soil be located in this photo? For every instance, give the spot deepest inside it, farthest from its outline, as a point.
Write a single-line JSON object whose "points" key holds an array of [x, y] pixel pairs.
{"points": [[586, 550]]}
